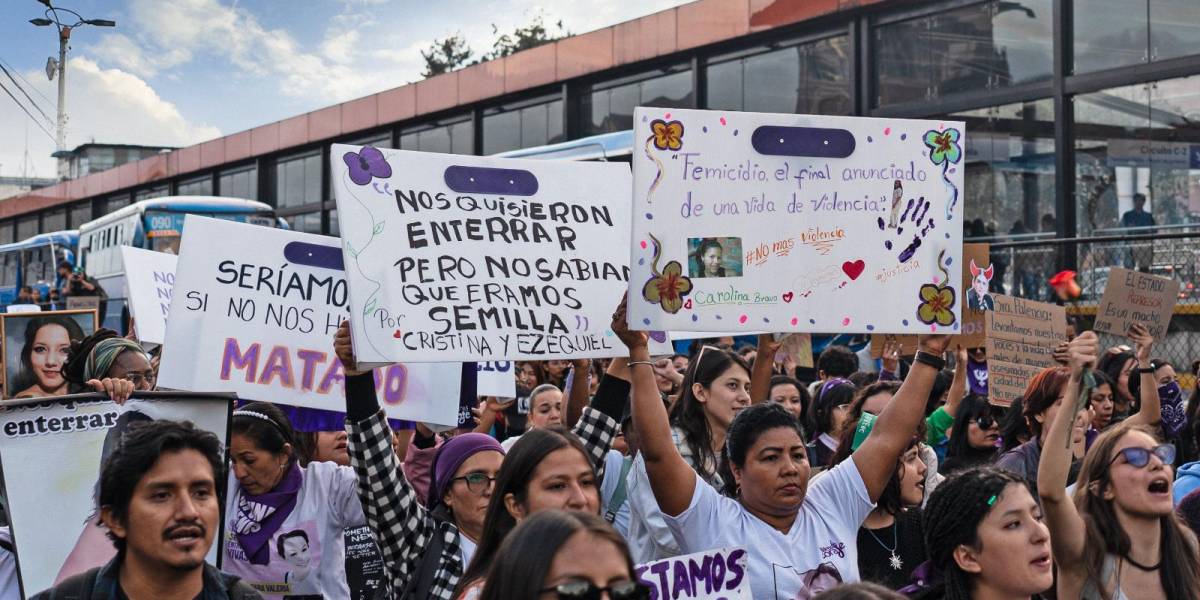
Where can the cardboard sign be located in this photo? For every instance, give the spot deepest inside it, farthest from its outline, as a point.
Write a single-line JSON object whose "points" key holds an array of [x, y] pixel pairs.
{"points": [[256, 313], [1021, 338], [150, 279], [468, 258], [52, 450], [908, 344], [39, 374], [745, 221], [83, 302], [798, 346], [977, 275], [1132, 297], [713, 575], [497, 378]]}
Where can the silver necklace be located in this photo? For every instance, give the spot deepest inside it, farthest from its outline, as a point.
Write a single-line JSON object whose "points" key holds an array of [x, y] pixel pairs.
{"points": [[895, 561]]}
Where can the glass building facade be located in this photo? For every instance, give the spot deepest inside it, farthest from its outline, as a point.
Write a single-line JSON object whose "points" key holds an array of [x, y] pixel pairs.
{"points": [[1075, 110]]}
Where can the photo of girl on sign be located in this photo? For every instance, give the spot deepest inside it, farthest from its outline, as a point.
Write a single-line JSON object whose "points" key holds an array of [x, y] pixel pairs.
{"points": [[36, 346], [715, 257]]}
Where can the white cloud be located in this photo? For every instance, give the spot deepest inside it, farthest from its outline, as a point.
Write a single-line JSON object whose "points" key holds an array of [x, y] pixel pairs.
{"points": [[104, 105]]}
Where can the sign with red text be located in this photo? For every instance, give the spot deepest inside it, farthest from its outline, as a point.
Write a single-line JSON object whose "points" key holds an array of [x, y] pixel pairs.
{"points": [[1132, 297], [256, 313], [751, 221], [149, 280], [479, 259], [711, 575]]}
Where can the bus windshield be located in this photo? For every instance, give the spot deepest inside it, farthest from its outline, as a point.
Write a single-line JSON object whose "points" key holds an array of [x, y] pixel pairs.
{"points": [[165, 229]]}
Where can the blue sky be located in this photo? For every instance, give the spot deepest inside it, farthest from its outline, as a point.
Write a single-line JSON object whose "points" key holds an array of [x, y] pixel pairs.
{"points": [[177, 72]]}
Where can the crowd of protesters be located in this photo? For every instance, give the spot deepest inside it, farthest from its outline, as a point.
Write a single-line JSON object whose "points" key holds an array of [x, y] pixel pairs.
{"points": [[858, 478]]}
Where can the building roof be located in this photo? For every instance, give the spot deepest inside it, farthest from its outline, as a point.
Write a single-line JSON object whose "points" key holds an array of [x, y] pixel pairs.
{"points": [[663, 33]]}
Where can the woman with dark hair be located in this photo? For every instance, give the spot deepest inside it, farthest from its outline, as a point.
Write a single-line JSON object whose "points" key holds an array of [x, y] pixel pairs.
{"points": [[1014, 429], [986, 540], [706, 261], [890, 541], [830, 411], [715, 388], [1101, 402], [548, 468], [789, 393], [568, 554], [47, 347], [975, 436], [270, 495], [426, 550], [1044, 397], [792, 527], [1120, 532], [1119, 363]]}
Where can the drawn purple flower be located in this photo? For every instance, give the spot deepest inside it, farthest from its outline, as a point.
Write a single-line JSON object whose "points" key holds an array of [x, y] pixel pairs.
{"points": [[365, 164]]}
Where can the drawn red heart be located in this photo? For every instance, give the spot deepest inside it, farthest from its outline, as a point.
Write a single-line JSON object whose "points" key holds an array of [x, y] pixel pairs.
{"points": [[688, 304], [853, 269], [397, 335], [788, 297]]}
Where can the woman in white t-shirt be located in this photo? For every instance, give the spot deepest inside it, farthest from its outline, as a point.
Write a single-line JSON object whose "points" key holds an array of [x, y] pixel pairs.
{"points": [[284, 524], [799, 538]]}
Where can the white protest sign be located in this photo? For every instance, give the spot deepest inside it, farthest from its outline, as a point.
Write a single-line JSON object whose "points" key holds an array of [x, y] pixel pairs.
{"points": [[254, 312], [149, 277], [750, 221], [470, 258], [496, 378], [712, 575], [52, 450]]}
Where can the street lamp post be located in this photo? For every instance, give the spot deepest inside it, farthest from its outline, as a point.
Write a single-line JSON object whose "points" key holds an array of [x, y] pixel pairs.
{"points": [[64, 27]]}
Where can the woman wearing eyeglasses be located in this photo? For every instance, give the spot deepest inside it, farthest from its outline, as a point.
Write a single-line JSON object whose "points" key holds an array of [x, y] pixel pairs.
{"points": [[1119, 533], [975, 436], [564, 555], [799, 531]]}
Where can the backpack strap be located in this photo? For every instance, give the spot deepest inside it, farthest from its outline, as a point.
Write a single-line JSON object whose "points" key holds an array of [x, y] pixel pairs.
{"points": [[619, 495], [421, 582]]}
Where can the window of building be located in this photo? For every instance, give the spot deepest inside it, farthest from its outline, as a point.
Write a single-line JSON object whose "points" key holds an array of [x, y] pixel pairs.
{"points": [[1118, 33], [451, 137], [811, 78], [1136, 167], [298, 180], [239, 183], [79, 214], [6, 232], [154, 192], [199, 186], [114, 203], [334, 229], [516, 126], [306, 222], [608, 106], [54, 220], [990, 45], [27, 227]]}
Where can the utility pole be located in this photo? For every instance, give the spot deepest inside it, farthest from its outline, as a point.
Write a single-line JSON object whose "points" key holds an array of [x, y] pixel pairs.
{"points": [[59, 68]]}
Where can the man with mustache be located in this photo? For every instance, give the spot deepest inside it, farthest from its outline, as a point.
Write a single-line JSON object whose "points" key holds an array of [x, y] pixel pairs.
{"points": [[159, 500]]}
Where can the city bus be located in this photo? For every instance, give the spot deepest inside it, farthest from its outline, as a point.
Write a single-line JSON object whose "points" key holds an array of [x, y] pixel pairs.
{"points": [[34, 263], [155, 224]]}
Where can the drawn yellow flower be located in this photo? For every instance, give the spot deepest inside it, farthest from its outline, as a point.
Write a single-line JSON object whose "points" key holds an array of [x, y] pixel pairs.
{"points": [[668, 288], [936, 304], [667, 136]]}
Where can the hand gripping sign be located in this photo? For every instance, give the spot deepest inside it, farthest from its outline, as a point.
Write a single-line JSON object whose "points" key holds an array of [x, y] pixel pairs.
{"points": [[750, 221]]}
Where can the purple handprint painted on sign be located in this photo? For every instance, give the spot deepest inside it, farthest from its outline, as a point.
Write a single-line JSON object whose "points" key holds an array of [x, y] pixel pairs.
{"points": [[365, 164]]}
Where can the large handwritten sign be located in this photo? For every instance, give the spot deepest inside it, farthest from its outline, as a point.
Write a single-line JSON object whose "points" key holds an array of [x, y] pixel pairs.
{"points": [[1131, 297], [150, 279], [712, 575], [254, 312], [748, 221], [467, 258], [1021, 338]]}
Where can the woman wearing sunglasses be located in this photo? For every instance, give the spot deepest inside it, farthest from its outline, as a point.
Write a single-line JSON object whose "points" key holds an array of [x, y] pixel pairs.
{"points": [[564, 555], [794, 533], [1120, 531], [975, 436]]}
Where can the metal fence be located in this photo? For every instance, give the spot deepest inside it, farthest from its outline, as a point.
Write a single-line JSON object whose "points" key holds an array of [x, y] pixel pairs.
{"points": [[1023, 268]]}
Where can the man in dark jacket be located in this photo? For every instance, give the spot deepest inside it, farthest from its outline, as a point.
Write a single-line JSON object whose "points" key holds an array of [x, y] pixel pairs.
{"points": [[159, 500]]}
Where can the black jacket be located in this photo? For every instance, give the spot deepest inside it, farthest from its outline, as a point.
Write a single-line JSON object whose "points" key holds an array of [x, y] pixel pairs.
{"points": [[101, 584]]}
